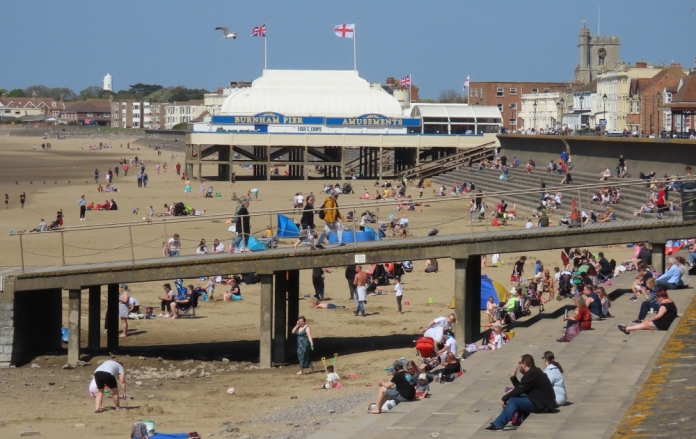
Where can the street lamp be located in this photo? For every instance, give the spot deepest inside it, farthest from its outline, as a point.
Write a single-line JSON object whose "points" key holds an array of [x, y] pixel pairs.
{"points": [[604, 98], [657, 124], [535, 108], [561, 104], [582, 98]]}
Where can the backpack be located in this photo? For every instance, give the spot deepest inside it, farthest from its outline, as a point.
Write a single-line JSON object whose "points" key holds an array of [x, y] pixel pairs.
{"points": [[322, 211], [139, 430]]}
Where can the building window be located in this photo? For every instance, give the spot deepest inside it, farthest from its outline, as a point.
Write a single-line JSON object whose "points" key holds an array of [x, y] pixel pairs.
{"points": [[630, 107], [54, 104], [513, 106], [90, 115], [547, 90], [500, 107], [637, 107], [535, 90], [513, 122], [513, 91], [668, 97], [500, 92]]}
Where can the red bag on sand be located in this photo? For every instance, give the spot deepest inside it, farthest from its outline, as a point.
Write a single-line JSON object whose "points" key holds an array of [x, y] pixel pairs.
{"points": [[425, 347]]}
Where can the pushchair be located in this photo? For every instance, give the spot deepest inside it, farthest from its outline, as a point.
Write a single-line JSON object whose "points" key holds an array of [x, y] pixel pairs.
{"points": [[565, 286], [533, 299], [425, 349]]}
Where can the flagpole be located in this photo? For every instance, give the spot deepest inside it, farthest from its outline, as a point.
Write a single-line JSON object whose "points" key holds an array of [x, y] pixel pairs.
{"points": [[468, 91], [410, 82], [265, 50], [355, 58]]}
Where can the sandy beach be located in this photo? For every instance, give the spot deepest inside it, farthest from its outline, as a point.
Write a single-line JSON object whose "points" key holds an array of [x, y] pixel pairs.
{"points": [[221, 345]]}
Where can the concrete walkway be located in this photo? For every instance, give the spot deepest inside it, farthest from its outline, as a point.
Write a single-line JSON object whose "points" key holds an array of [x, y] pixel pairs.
{"points": [[604, 369]]}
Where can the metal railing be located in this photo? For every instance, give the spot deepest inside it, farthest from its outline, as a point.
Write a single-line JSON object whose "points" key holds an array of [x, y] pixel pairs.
{"points": [[82, 244]]}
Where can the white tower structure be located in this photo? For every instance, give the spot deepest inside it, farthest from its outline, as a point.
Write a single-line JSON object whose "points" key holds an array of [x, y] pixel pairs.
{"points": [[108, 84]]}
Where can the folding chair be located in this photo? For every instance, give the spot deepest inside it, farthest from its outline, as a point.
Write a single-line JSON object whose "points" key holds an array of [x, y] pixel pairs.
{"points": [[189, 309]]}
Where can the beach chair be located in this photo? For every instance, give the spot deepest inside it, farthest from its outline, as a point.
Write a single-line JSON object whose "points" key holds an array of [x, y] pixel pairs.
{"points": [[189, 309]]}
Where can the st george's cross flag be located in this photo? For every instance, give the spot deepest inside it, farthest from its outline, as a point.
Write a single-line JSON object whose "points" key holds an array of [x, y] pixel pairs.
{"points": [[406, 82], [259, 31], [345, 30], [466, 83]]}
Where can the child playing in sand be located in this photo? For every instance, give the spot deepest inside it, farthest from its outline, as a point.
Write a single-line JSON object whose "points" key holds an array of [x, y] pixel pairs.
{"points": [[422, 388], [333, 381]]}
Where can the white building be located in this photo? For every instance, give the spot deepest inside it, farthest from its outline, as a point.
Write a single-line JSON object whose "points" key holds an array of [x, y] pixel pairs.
{"points": [[332, 101], [180, 112], [583, 108], [616, 86], [542, 111], [213, 101]]}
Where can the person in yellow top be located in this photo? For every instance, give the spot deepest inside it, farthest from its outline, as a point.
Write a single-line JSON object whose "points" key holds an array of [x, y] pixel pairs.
{"points": [[331, 216]]}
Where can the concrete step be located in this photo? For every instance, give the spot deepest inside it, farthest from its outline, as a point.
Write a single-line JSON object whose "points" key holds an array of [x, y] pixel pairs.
{"points": [[603, 370]]}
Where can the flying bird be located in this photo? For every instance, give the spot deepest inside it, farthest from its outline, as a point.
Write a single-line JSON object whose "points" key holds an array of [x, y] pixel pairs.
{"points": [[226, 32]]}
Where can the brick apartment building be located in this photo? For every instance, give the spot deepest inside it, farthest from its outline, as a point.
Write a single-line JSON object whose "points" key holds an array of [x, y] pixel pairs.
{"points": [[683, 106], [649, 98], [507, 96], [137, 114], [96, 112]]}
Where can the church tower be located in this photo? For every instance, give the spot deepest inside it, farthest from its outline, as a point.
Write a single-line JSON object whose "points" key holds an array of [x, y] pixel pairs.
{"points": [[597, 54]]}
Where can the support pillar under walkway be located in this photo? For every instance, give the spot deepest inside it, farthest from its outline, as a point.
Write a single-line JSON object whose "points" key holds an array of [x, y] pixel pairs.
{"points": [[266, 321], [279, 326], [467, 298], [74, 317], [94, 319], [658, 257]]}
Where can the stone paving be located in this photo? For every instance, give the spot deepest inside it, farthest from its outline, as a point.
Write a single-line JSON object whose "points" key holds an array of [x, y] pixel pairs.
{"points": [[604, 370], [666, 402]]}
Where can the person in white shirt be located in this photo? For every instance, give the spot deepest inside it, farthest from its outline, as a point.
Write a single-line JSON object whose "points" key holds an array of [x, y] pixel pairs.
{"points": [[218, 247], [105, 375], [333, 381], [450, 346], [529, 224], [300, 200], [399, 292]]}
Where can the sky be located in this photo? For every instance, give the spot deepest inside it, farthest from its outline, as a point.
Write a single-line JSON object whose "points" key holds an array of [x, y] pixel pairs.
{"points": [[174, 42]]}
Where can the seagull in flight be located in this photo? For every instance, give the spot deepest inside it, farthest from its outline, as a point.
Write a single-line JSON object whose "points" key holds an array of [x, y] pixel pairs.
{"points": [[226, 32]]}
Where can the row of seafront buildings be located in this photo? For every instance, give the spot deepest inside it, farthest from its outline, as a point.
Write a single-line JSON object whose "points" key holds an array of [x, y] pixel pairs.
{"points": [[605, 92], [140, 113], [100, 112]]}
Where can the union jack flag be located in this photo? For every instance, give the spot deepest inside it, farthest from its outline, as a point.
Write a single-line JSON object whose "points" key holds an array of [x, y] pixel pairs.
{"points": [[259, 31], [406, 82]]}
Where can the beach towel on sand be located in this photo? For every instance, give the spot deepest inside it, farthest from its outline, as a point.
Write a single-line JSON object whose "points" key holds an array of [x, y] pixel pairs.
{"points": [[170, 436]]}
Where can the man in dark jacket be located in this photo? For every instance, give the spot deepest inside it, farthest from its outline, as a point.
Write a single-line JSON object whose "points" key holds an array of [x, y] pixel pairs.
{"points": [[350, 277], [534, 394]]}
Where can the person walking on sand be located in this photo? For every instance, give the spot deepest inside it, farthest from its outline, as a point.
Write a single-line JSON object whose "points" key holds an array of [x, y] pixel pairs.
{"points": [[305, 344], [22, 199], [96, 175], [187, 188], [157, 168], [7, 201], [123, 311], [83, 207], [361, 289], [398, 292], [178, 169], [105, 376]]}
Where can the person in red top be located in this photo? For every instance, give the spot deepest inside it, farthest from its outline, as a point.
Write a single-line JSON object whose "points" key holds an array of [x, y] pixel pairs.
{"points": [[178, 169], [582, 314], [661, 201]]}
